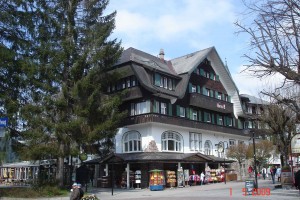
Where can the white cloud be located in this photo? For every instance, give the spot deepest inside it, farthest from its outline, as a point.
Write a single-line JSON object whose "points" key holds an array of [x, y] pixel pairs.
{"points": [[248, 84], [169, 20]]}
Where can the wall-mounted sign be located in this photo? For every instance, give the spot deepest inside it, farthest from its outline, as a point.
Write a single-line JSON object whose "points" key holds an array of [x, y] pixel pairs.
{"points": [[295, 143], [221, 105], [3, 121]]}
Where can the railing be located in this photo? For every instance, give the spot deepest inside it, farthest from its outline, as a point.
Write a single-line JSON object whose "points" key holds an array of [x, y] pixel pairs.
{"points": [[210, 103], [178, 121]]}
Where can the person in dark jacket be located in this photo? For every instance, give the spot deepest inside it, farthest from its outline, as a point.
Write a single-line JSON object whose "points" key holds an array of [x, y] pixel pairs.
{"points": [[297, 180], [75, 192]]}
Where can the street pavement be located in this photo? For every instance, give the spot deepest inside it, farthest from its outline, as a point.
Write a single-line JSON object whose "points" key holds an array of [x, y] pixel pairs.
{"points": [[231, 190]]}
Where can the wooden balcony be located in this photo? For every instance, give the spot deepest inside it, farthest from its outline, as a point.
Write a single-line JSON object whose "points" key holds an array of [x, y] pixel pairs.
{"points": [[202, 101], [132, 93], [178, 121]]}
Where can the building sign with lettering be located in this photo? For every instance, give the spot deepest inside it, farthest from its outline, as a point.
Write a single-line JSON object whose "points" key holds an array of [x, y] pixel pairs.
{"points": [[221, 105]]}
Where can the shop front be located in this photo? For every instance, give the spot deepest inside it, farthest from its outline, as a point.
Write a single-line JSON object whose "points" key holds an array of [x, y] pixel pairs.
{"points": [[155, 170]]}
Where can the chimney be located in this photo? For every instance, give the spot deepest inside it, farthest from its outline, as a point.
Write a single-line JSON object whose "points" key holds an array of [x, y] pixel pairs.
{"points": [[162, 54]]}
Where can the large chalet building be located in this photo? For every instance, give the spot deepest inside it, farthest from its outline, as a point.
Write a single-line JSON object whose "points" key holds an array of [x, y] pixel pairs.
{"points": [[179, 112]]}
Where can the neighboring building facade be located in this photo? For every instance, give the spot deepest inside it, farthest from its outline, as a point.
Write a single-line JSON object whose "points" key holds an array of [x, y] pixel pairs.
{"points": [[178, 113]]}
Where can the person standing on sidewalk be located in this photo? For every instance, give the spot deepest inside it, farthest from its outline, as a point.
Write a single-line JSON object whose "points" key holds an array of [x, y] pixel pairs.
{"points": [[202, 178], [250, 170], [273, 172], [264, 172]]}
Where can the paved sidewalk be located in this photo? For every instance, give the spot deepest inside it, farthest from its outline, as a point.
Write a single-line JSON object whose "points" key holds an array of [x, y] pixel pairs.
{"points": [[230, 190]]}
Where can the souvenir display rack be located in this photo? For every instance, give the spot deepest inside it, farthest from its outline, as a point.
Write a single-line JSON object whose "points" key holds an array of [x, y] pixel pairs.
{"points": [[138, 176], [171, 178], [157, 180]]}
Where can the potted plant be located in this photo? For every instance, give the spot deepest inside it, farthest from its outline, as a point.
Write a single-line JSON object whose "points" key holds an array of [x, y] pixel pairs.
{"points": [[286, 168]]}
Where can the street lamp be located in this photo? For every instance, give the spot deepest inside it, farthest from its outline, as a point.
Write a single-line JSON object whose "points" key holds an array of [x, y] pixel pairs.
{"points": [[254, 155], [221, 149]]}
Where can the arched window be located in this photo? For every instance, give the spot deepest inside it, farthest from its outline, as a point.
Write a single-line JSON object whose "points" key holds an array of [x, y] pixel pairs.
{"points": [[171, 141], [208, 148], [131, 141]]}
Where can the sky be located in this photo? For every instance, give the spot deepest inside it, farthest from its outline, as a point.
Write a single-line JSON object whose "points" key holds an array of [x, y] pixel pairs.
{"points": [[181, 27]]}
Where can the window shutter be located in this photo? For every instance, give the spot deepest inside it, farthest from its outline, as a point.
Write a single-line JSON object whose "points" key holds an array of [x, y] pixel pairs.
{"points": [[212, 76], [240, 124], [170, 109], [198, 89], [154, 106], [190, 88], [211, 93], [226, 121], [229, 98], [216, 94], [200, 115], [177, 110], [217, 78], [213, 118], [204, 91], [205, 116], [157, 78], [202, 73], [223, 96], [218, 119]]}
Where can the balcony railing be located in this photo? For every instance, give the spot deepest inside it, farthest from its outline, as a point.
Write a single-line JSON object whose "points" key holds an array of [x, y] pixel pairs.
{"points": [[210, 103], [178, 121]]}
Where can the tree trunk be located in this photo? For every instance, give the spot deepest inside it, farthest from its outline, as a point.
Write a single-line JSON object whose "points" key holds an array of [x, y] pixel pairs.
{"points": [[60, 168], [241, 174]]}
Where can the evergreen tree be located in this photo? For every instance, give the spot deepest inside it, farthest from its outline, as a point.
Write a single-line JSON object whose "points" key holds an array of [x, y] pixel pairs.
{"points": [[70, 53]]}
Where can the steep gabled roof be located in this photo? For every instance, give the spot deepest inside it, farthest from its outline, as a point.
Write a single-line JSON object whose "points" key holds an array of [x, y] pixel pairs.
{"points": [[147, 60], [254, 100], [180, 68], [187, 63]]}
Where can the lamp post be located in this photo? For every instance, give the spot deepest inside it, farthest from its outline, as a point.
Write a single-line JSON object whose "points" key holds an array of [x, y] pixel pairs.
{"points": [[254, 155], [221, 149]]}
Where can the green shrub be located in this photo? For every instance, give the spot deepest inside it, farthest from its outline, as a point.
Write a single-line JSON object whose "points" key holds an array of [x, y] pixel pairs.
{"points": [[33, 192]]}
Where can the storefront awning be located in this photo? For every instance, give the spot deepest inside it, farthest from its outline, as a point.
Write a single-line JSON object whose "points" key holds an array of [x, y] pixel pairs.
{"points": [[144, 157]]}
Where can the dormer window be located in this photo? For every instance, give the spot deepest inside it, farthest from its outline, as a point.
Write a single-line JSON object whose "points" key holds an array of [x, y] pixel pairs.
{"points": [[164, 81]]}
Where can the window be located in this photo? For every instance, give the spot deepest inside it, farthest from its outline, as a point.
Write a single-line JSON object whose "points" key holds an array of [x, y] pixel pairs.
{"points": [[140, 108], [181, 111], [220, 120], [132, 141], [231, 142], [207, 117], [171, 141], [219, 96], [194, 89], [195, 115], [195, 141], [163, 81], [163, 108], [208, 147], [208, 92], [128, 82]]}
